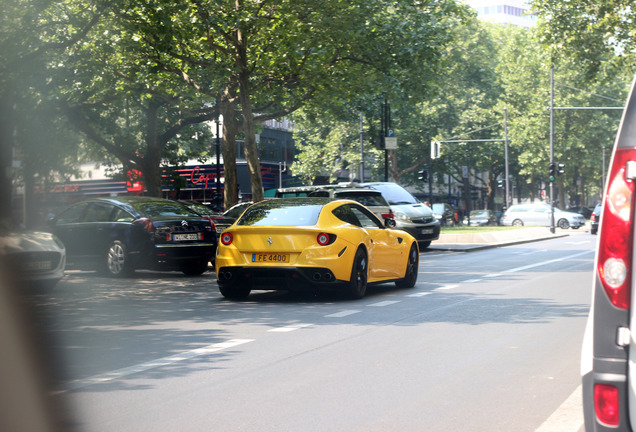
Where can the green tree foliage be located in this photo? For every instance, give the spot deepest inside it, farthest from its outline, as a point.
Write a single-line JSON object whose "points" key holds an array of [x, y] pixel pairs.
{"points": [[590, 33]]}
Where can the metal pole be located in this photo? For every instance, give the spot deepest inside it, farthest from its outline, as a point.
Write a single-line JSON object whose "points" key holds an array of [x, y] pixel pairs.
{"points": [[361, 150], [507, 173], [552, 229], [387, 126], [218, 197]]}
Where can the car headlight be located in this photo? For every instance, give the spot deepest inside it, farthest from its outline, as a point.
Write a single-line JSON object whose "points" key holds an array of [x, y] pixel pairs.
{"points": [[398, 215]]}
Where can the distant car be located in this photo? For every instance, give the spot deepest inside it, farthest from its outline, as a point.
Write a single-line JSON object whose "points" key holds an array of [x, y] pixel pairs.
{"points": [[296, 243], [34, 258], [482, 218], [119, 235], [444, 214], [410, 215], [594, 218], [370, 198], [586, 212], [228, 217], [539, 215]]}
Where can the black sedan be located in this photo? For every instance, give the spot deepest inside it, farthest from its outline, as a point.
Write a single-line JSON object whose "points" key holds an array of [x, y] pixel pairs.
{"points": [[122, 234]]}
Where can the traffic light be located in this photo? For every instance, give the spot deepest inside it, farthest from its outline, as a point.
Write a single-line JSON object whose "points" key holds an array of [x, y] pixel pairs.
{"points": [[435, 149], [552, 170], [422, 175], [560, 169], [500, 184]]}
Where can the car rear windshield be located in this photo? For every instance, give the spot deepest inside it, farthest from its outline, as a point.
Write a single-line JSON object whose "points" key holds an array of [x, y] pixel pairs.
{"points": [[281, 214], [160, 208]]}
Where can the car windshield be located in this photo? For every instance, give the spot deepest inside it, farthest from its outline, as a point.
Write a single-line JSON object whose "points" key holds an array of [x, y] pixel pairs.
{"points": [[163, 208], [396, 194], [282, 213], [364, 198], [439, 208]]}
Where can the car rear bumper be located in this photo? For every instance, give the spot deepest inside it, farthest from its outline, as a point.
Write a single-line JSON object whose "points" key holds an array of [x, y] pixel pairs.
{"points": [[277, 278]]}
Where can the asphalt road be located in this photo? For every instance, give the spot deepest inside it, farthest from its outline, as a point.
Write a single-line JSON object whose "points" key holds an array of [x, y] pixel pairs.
{"points": [[486, 341]]}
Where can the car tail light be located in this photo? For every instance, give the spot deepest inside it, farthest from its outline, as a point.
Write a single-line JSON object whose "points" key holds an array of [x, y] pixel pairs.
{"points": [[615, 246], [147, 224], [593, 218], [325, 239], [227, 238], [606, 404], [388, 215]]}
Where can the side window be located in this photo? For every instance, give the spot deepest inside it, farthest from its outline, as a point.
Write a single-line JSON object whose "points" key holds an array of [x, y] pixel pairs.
{"points": [[73, 214], [367, 220], [98, 212], [345, 214], [121, 215]]}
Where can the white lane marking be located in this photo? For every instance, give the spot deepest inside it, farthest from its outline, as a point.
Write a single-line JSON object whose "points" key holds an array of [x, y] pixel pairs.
{"points": [[493, 275], [419, 294], [533, 252], [539, 264], [578, 242], [567, 417], [343, 313], [446, 287], [289, 328], [384, 303], [164, 361], [471, 281]]}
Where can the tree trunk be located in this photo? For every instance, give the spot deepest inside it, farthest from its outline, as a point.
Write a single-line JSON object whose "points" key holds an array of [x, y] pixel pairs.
{"points": [[154, 148], [251, 151], [230, 130]]}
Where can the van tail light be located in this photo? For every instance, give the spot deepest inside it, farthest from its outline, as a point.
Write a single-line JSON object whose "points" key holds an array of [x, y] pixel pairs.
{"points": [[149, 227], [606, 404], [616, 239], [388, 215], [211, 222]]}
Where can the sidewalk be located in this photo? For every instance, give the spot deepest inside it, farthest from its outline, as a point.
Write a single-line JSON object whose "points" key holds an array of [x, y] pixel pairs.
{"points": [[491, 239]]}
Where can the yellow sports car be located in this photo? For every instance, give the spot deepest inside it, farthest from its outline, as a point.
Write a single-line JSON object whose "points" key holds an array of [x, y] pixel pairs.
{"points": [[292, 243]]}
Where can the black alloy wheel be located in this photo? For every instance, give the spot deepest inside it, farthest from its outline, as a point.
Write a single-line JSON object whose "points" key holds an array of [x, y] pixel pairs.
{"points": [[357, 285], [410, 277]]}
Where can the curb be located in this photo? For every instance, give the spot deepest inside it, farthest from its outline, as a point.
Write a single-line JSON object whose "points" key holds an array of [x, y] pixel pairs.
{"points": [[470, 247]]}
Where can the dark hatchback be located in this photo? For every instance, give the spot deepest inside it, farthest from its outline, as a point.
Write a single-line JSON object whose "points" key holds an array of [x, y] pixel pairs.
{"points": [[120, 235]]}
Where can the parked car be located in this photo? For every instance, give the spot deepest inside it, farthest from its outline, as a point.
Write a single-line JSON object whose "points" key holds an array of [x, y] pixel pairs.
{"points": [[294, 243], [539, 215], [586, 212], [370, 198], [227, 218], [444, 214], [482, 218], [119, 235], [35, 258], [608, 355], [411, 215], [594, 219]]}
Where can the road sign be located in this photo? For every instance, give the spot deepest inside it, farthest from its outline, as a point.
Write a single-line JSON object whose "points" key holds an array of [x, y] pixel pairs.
{"points": [[390, 143], [390, 133]]}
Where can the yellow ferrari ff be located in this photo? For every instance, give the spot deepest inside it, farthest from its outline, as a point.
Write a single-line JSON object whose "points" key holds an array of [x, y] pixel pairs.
{"points": [[293, 243]]}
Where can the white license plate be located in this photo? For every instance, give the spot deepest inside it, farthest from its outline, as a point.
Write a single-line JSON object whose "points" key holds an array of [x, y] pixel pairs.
{"points": [[427, 231], [182, 237], [37, 265]]}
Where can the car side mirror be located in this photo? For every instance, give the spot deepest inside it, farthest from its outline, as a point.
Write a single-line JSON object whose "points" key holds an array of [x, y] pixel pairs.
{"points": [[389, 223]]}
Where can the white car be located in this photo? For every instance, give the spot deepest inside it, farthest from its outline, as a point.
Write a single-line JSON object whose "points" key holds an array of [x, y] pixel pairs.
{"points": [[539, 215], [35, 258]]}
